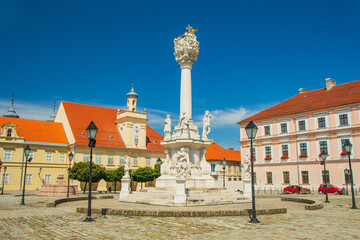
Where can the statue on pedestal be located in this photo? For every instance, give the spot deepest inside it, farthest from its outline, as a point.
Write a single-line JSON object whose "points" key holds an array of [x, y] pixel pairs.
{"points": [[184, 125], [206, 125], [167, 128], [246, 167], [182, 166], [126, 167]]}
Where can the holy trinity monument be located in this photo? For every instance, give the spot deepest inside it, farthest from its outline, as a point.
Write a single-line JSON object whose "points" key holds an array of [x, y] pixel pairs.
{"points": [[185, 174]]}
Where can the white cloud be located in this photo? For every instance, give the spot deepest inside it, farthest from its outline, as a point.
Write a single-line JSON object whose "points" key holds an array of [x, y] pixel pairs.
{"points": [[27, 110]]}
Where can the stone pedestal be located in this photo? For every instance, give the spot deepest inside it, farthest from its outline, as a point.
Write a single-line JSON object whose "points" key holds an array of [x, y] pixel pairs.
{"points": [[247, 187], [125, 188], [180, 194]]}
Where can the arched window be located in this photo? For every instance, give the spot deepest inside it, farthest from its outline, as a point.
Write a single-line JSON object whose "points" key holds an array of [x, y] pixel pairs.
{"points": [[9, 132]]}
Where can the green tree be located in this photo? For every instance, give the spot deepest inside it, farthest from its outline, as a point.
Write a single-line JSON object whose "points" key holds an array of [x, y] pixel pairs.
{"points": [[143, 175], [80, 171], [114, 175], [157, 170]]}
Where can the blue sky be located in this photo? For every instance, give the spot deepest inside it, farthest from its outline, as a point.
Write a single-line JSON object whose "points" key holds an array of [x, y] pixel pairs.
{"points": [[253, 54]]}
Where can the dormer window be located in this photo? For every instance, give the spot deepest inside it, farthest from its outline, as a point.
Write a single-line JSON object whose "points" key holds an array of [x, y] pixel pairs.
{"points": [[9, 132]]}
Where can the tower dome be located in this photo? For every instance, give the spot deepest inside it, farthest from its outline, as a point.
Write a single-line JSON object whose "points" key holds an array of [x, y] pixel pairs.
{"points": [[11, 112], [132, 97], [132, 93]]}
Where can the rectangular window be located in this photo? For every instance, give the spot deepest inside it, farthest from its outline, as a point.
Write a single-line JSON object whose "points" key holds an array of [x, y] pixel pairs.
{"points": [[305, 177], [122, 160], [343, 119], [5, 179], [283, 127], [325, 176], [269, 179], [267, 153], [49, 157], [253, 152], [62, 157], [286, 177], [267, 130], [323, 147], [347, 177], [47, 179], [28, 178], [111, 160], [98, 159], [343, 141], [285, 150], [86, 158], [148, 162], [7, 155], [213, 167], [303, 150], [136, 139], [321, 122], [135, 161], [302, 126]]}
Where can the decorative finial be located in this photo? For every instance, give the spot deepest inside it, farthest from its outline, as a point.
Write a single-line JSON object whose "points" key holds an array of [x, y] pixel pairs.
{"points": [[191, 30], [52, 116], [11, 112]]}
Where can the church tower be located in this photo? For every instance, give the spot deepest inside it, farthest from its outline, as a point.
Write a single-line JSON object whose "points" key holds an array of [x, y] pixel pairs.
{"points": [[132, 97], [132, 124], [11, 112]]}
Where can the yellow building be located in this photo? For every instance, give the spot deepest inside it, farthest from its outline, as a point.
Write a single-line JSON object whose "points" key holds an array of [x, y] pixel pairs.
{"points": [[49, 151], [120, 133]]}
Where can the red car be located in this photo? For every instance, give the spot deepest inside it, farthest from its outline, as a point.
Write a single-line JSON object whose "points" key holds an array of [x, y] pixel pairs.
{"points": [[330, 189], [295, 189]]}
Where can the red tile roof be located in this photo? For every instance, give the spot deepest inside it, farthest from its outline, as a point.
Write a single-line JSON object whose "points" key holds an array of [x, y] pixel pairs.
{"points": [[37, 131], [338, 95], [216, 152], [80, 116]]}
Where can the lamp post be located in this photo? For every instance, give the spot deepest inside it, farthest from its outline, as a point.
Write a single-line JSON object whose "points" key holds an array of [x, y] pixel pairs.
{"points": [[347, 174], [158, 162], [323, 156], [91, 131], [348, 148], [224, 167], [3, 181], [251, 130], [71, 156], [27, 151]]}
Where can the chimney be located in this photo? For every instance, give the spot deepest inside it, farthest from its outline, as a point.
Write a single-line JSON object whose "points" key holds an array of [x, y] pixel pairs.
{"points": [[303, 90], [329, 83], [231, 148]]}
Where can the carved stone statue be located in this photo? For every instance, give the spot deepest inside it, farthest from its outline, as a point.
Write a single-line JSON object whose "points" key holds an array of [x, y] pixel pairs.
{"points": [[246, 167], [126, 167], [184, 125], [182, 166], [206, 125], [187, 48], [167, 128]]}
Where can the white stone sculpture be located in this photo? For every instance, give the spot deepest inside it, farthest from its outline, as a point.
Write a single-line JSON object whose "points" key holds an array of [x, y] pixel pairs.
{"points": [[246, 167], [182, 166], [206, 125], [126, 167], [184, 125], [167, 128]]}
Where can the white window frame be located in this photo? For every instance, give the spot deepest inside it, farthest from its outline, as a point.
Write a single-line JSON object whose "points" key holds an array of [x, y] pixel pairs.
{"points": [[49, 157], [281, 121], [62, 157], [86, 157], [110, 160], [47, 179], [122, 160], [8, 157], [316, 119], [283, 177], [98, 159], [6, 178], [321, 176], [339, 112], [318, 147], [213, 167], [307, 149], [280, 151], [341, 137], [267, 124], [135, 161], [297, 120], [28, 178], [272, 177], [264, 151], [148, 162]]}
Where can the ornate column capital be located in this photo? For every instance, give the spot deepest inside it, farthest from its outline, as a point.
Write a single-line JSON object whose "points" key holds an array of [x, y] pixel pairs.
{"points": [[186, 49]]}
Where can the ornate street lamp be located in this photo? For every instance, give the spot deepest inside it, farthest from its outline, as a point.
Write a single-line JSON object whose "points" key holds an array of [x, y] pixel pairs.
{"points": [[71, 156], [323, 156], [158, 162], [348, 148], [251, 130], [91, 131], [27, 151], [224, 167], [3, 181]]}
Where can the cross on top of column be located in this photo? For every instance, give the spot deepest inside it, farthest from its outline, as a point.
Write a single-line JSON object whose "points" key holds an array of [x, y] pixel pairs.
{"points": [[189, 28]]}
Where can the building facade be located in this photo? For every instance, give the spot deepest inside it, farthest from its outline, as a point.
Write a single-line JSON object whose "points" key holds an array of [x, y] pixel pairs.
{"points": [[292, 134]]}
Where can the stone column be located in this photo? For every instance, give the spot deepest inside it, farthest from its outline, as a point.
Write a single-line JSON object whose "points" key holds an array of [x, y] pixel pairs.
{"points": [[186, 51]]}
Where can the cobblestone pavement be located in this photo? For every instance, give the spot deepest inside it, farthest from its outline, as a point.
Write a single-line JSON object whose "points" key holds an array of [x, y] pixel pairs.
{"points": [[35, 221]]}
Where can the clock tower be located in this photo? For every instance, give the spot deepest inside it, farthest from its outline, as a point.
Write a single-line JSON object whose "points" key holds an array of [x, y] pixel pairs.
{"points": [[132, 124]]}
